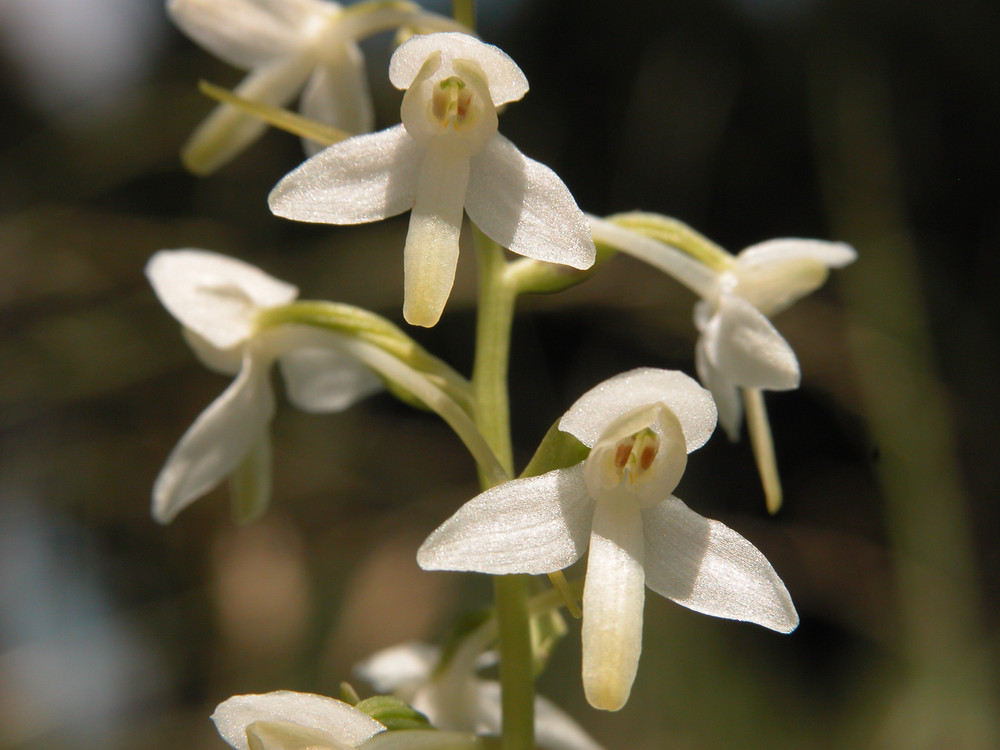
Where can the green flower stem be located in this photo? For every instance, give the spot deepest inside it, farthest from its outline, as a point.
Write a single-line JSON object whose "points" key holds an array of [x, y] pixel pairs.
{"points": [[495, 317], [464, 11]]}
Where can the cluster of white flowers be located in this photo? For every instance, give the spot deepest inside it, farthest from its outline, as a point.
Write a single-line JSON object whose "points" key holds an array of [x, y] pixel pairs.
{"points": [[634, 431]]}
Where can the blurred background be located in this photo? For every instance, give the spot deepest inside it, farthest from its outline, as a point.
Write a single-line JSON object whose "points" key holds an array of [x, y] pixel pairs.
{"points": [[868, 121]]}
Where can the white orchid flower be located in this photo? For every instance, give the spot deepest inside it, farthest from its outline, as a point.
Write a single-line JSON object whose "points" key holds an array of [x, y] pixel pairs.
{"points": [[640, 426], [284, 720], [452, 697], [288, 46], [740, 353], [445, 156], [217, 300]]}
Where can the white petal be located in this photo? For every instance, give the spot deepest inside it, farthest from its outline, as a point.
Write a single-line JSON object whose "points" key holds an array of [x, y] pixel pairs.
{"points": [[321, 380], [726, 395], [532, 525], [337, 93], [741, 342], [365, 178], [431, 253], [228, 130], [613, 597], [506, 81], [401, 665], [244, 33], [343, 722], [690, 403], [556, 730], [706, 566], [222, 361], [216, 442], [286, 735], [830, 254], [524, 206], [215, 296]]}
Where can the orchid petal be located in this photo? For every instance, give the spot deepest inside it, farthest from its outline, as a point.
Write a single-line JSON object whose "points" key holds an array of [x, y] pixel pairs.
{"points": [[726, 395], [365, 178], [287, 735], [216, 442], [507, 82], [613, 596], [222, 361], [431, 253], [214, 295], [398, 666], [244, 33], [705, 566], [692, 404], [321, 380], [524, 206], [341, 721], [337, 93], [741, 342], [228, 130], [830, 254], [531, 525]]}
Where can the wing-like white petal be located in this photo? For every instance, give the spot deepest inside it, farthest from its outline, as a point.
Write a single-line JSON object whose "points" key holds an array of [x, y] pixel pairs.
{"points": [[214, 295], [506, 81], [228, 130], [741, 342], [365, 178], [706, 566], [216, 442], [244, 33], [830, 254], [613, 597], [341, 721], [726, 395], [691, 404], [337, 93], [321, 380], [431, 253], [532, 525], [524, 206], [406, 664], [222, 361]]}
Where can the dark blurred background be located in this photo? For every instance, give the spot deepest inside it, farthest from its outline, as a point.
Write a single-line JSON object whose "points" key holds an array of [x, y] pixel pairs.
{"points": [[872, 122]]}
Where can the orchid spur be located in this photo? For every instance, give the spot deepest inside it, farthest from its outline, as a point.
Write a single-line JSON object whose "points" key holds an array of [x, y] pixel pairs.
{"points": [[639, 426], [289, 46], [445, 157], [739, 352]]}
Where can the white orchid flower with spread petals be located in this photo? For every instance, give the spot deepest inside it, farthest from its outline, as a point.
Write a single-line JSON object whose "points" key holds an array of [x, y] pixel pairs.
{"points": [[284, 720], [445, 157], [289, 46], [217, 299], [740, 353], [453, 697], [640, 426]]}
